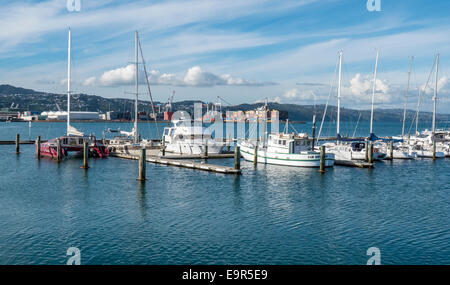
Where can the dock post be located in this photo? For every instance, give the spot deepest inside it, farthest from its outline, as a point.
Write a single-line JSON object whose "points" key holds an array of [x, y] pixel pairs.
{"points": [[17, 143], [370, 152], [255, 155], [142, 164], [391, 149], [38, 147], [367, 151], [229, 142], [85, 155], [164, 146], [58, 150], [237, 157], [434, 149], [205, 150], [322, 159]]}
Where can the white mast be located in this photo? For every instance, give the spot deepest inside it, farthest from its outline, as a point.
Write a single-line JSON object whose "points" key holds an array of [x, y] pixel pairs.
{"points": [[406, 95], [433, 128], [373, 92], [68, 85], [136, 89], [339, 95]]}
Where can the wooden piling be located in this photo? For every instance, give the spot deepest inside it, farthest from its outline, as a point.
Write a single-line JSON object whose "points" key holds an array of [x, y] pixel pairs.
{"points": [[85, 155], [205, 150], [255, 155], [38, 147], [367, 151], [142, 164], [371, 152], [322, 159], [164, 146], [17, 143], [434, 149], [58, 150], [237, 157], [391, 149]]}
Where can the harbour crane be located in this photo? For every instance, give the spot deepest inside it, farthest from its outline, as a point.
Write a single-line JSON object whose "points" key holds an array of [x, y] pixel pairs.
{"points": [[168, 106]]}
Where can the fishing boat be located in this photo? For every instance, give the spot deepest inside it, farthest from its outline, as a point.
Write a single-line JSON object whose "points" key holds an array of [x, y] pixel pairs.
{"points": [[287, 149], [74, 140], [184, 137]]}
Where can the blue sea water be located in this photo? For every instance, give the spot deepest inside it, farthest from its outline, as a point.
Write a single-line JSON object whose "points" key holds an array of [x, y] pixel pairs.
{"points": [[268, 215]]}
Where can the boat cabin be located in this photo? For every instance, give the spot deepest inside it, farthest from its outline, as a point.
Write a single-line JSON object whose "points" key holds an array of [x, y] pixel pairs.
{"points": [[289, 143]]}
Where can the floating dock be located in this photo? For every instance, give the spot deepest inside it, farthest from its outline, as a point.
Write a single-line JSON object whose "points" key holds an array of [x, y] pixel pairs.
{"points": [[20, 142], [183, 163], [353, 163]]}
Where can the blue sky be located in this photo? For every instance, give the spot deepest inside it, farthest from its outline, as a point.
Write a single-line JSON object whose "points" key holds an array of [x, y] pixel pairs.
{"points": [[243, 51]]}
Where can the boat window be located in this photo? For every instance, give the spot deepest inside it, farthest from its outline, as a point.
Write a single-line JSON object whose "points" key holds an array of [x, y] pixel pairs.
{"points": [[80, 141], [166, 131], [284, 142]]}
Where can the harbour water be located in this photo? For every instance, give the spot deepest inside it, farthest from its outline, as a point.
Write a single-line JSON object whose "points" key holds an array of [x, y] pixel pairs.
{"points": [[268, 215]]}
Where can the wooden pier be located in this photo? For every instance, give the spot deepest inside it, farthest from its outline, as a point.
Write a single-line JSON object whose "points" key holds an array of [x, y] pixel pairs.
{"points": [[21, 142], [183, 163], [353, 163]]}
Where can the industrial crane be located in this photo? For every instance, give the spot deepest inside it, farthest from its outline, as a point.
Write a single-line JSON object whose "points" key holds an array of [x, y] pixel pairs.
{"points": [[168, 106]]}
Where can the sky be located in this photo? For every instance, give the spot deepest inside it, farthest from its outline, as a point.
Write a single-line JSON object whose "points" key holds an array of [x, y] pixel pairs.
{"points": [[242, 51]]}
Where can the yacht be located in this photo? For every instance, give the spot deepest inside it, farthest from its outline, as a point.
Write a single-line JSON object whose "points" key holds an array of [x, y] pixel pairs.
{"points": [[184, 138], [73, 141]]}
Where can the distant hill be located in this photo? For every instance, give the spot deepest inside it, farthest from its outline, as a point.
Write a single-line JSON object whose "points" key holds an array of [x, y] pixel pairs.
{"points": [[38, 101]]}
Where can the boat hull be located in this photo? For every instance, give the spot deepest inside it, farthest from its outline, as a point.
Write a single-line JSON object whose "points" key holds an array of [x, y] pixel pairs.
{"points": [[311, 159]]}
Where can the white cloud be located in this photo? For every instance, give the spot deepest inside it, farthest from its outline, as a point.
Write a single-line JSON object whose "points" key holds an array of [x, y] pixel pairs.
{"points": [[361, 87], [296, 94], [195, 76]]}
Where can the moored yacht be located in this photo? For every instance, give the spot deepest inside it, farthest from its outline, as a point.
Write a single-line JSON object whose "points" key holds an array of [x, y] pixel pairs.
{"points": [[73, 141], [184, 138]]}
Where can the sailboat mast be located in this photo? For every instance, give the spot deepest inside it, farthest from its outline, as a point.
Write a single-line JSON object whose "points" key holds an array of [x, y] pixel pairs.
{"points": [[373, 93], [68, 83], [339, 95], [406, 95], [433, 128], [136, 89]]}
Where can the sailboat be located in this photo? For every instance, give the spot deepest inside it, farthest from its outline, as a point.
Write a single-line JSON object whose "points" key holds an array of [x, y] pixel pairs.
{"points": [[422, 142], [349, 149], [129, 142], [74, 140], [287, 149], [400, 149]]}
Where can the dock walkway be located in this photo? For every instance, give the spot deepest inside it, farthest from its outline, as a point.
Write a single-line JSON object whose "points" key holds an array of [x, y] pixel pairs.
{"points": [[183, 163]]}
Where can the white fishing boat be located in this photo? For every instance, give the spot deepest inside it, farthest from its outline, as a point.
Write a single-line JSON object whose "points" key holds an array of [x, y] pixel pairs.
{"points": [[184, 137], [285, 149]]}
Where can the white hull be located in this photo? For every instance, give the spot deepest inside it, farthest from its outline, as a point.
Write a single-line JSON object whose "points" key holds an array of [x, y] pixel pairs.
{"points": [[311, 159], [400, 154], [194, 148], [429, 154]]}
